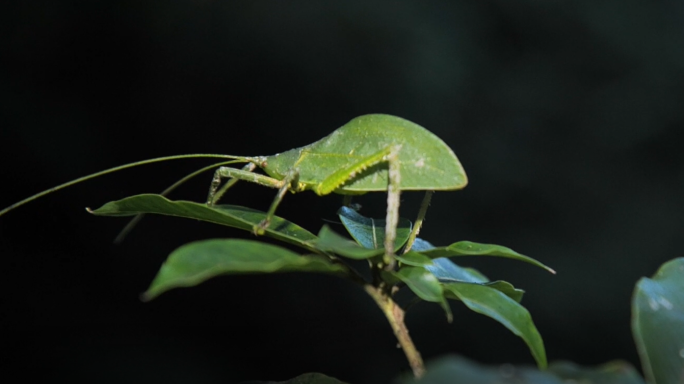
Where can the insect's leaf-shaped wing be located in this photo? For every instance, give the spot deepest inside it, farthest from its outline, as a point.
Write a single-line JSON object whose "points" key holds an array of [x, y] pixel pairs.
{"points": [[658, 323], [199, 261], [230, 215], [370, 233], [495, 304], [427, 162]]}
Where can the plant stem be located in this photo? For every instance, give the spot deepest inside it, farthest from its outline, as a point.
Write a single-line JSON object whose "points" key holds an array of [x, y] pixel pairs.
{"points": [[395, 316]]}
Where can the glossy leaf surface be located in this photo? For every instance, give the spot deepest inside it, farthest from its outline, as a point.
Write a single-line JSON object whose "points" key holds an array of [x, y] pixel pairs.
{"points": [[425, 285], [658, 323], [447, 271], [329, 241], [497, 305], [468, 248], [230, 215], [199, 261], [370, 233]]}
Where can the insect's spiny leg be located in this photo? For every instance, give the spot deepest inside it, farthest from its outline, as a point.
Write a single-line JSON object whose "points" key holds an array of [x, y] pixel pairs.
{"points": [[249, 167], [221, 173], [289, 179], [419, 220], [393, 194], [213, 188]]}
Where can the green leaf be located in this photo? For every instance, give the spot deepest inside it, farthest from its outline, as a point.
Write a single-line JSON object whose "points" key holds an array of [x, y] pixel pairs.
{"points": [[424, 284], [370, 233], [497, 305], [329, 241], [414, 259], [199, 261], [447, 271], [229, 215], [459, 370], [658, 323], [468, 248]]}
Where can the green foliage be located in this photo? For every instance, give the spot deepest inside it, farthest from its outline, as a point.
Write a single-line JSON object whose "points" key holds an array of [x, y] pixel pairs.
{"points": [[229, 215], [658, 323], [468, 248], [434, 280], [199, 261], [369, 232]]}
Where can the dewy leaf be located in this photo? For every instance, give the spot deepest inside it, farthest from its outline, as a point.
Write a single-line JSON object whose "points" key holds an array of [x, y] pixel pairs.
{"points": [[468, 248], [230, 215], [199, 261], [497, 305], [425, 285], [370, 233], [329, 241], [658, 323]]}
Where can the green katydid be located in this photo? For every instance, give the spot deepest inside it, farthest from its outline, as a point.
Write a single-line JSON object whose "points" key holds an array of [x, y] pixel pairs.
{"points": [[371, 153]]}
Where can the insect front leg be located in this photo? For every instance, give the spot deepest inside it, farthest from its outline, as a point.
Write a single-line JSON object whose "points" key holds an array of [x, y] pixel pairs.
{"points": [[215, 194], [287, 182], [244, 174]]}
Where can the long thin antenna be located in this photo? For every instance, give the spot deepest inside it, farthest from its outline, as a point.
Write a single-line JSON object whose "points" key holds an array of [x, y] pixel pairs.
{"points": [[134, 221], [119, 168]]}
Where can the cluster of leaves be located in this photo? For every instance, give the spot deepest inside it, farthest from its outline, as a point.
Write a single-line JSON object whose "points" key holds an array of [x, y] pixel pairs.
{"points": [[658, 304], [425, 269]]}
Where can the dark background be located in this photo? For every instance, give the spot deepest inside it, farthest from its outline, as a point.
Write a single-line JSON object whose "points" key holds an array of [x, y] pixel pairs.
{"points": [[566, 116]]}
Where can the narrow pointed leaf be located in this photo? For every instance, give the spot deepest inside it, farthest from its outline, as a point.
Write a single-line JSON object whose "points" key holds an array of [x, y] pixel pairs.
{"points": [[425, 285], [329, 241], [468, 248], [658, 323], [199, 261], [230, 215], [370, 233], [497, 305]]}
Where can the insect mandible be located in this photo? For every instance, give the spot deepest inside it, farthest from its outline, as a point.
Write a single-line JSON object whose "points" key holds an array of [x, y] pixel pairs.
{"points": [[371, 153]]}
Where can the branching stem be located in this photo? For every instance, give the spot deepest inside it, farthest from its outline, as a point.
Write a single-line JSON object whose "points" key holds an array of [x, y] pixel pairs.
{"points": [[395, 316]]}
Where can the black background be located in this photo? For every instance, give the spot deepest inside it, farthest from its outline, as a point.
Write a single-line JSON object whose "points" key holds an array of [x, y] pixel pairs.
{"points": [[566, 116]]}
